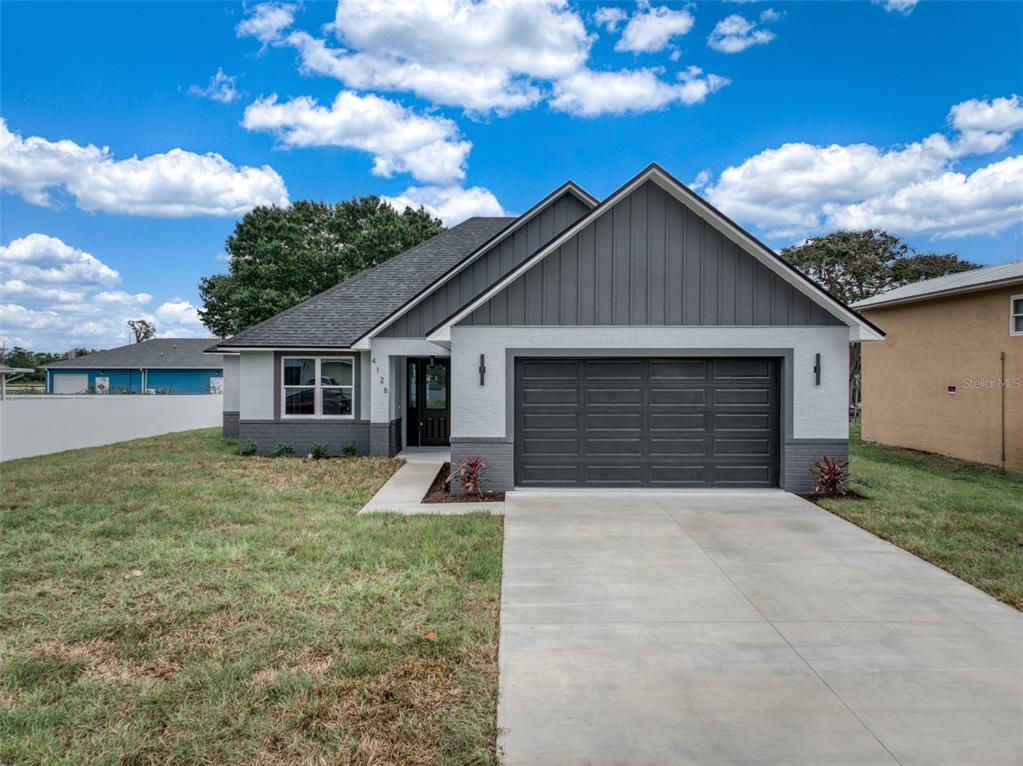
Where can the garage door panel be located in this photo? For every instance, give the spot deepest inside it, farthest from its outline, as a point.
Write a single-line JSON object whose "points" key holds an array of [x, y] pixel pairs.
{"points": [[596, 370], [616, 396], [742, 475], [678, 447], [678, 369], [741, 421], [647, 422], [550, 445], [677, 421], [549, 370], [613, 421], [741, 396], [550, 396], [746, 369], [682, 395], [613, 474], [552, 474], [550, 421], [744, 447], [615, 446], [678, 474]]}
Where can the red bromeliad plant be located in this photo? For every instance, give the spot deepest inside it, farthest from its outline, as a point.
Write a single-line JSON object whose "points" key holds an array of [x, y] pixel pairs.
{"points": [[832, 476], [470, 475]]}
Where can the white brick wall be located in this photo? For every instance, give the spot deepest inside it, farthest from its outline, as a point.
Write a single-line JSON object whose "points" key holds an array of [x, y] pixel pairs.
{"points": [[256, 385]]}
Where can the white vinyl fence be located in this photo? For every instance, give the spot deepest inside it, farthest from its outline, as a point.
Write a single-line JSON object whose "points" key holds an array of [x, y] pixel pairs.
{"points": [[40, 425]]}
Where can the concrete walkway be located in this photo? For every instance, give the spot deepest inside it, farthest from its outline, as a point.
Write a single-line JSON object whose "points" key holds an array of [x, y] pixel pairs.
{"points": [[403, 492], [721, 628]]}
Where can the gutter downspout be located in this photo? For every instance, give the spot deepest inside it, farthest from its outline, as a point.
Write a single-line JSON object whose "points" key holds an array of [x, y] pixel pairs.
{"points": [[1002, 386]]}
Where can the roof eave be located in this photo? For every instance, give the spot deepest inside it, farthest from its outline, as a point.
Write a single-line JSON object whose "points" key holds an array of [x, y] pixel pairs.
{"points": [[938, 294]]}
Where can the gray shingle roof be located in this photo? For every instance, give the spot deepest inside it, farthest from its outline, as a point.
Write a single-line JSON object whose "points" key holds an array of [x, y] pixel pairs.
{"points": [[184, 353], [951, 283], [338, 317]]}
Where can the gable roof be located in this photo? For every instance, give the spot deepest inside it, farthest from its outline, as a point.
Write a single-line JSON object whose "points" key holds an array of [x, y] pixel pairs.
{"points": [[339, 316], [182, 353], [569, 187], [860, 328], [950, 284]]}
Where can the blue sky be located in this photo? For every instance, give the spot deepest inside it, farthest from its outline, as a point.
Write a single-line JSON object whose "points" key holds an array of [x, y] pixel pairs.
{"points": [[125, 159]]}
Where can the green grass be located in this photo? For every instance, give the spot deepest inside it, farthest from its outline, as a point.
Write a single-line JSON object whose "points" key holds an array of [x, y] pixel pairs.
{"points": [[965, 518], [168, 601]]}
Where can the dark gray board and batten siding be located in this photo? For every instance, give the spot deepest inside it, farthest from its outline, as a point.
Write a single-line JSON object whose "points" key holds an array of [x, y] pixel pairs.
{"points": [[493, 264], [650, 261]]}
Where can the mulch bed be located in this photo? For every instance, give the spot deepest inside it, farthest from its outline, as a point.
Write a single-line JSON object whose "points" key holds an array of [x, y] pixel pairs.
{"points": [[849, 494], [437, 493]]}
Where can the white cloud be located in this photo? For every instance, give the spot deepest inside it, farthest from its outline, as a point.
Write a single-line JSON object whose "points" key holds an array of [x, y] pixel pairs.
{"points": [[401, 141], [770, 14], [736, 33], [172, 185], [56, 297], [485, 57], [651, 29], [799, 188], [221, 88], [905, 7], [42, 260], [267, 21], [986, 126], [451, 204], [702, 179], [987, 201], [590, 93], [178, 318], [480, 89], [610, 17]]}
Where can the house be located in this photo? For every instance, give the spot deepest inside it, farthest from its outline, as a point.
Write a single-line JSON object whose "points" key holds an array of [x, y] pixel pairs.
{"points": [[160, 366], [645, 340], [948, 377]]}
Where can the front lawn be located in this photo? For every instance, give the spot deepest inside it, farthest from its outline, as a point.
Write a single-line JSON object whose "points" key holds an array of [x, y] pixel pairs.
{"points": [[965, 518], [167, 601]]}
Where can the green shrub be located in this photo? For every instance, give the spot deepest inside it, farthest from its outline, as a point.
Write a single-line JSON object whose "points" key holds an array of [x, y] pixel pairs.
{"points": [[283, 449], [350, 449], [318, 451], [248, 448]]}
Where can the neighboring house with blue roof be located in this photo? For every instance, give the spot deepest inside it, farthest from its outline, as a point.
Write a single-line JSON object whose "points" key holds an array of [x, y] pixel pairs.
{"points": [[160, 366], [645, 340]]}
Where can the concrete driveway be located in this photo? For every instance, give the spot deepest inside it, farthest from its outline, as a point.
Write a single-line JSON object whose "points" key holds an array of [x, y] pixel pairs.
{"points": [[742, 628]]}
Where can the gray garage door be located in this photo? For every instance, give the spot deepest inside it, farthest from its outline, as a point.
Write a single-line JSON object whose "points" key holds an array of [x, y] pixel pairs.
{"points": [[646, 422]]}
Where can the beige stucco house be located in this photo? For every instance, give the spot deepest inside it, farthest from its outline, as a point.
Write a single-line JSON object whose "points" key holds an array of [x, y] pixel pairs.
{"points": [[948, 377]]}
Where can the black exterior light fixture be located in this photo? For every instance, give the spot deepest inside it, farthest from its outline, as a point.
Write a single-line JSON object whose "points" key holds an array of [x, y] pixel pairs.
{"points": [[483, 368], [817, 370]]}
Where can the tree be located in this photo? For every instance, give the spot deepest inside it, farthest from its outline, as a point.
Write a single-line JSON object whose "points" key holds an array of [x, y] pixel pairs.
{"points": [[143, 329], [853, 265], [279, 257]]}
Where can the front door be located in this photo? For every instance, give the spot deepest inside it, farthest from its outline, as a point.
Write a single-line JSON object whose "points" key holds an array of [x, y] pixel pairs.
{"points": [[429, 402]]}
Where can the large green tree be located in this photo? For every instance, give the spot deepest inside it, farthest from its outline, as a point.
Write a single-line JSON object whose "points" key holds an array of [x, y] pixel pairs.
{"points": [[853, 265], [281, 256]]}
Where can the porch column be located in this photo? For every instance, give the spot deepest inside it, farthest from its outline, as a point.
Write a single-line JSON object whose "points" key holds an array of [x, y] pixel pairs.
{"points": [[384, 440]]}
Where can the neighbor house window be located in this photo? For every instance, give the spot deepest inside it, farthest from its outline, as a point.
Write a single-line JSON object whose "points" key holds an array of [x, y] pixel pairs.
{"points": [[1016, 315], [314, 386]]}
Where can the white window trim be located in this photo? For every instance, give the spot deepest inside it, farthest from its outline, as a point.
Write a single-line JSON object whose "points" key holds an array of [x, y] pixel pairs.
{"points": [[1012, 316], [317, 388]]}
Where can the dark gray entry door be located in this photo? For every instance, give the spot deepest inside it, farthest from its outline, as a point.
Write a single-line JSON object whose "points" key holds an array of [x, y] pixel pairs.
{"points": [[647, 422]]}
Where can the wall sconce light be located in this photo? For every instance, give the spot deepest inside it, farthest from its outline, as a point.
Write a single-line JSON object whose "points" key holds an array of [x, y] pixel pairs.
{"points": [[817, 370], [483, 368]]}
